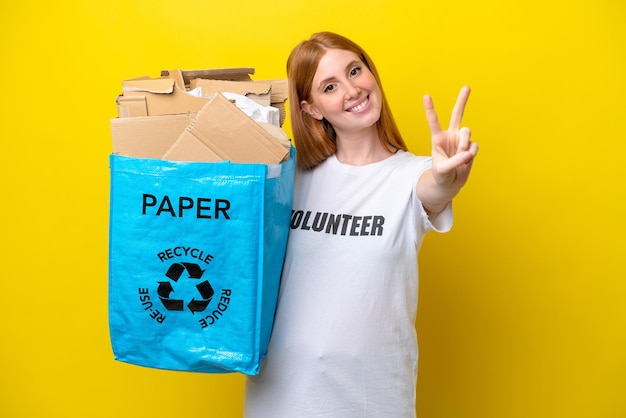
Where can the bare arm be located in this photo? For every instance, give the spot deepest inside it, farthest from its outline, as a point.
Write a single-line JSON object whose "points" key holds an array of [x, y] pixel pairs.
{"points": [[452, 155]]}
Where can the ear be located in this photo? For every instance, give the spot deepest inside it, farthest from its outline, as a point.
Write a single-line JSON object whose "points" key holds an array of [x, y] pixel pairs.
{"points": [[311, 110]]}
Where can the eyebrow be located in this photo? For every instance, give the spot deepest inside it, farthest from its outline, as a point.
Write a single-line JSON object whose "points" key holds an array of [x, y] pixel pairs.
{"points": [[327, 80]]}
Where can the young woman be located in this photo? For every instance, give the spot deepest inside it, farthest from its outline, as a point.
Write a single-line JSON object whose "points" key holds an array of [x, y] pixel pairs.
{"points": [[344, 342]]}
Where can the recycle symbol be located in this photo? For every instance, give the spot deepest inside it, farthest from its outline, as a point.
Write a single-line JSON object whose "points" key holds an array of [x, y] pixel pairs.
{"points": [[205, 290]]}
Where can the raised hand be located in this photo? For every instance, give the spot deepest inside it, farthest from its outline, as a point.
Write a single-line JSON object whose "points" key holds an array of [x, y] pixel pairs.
{"points": [[452, 151]]}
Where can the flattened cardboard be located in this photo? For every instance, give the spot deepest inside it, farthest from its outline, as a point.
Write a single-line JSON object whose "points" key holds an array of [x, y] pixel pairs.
{"points": [[258, 91], [189, 148], [280, 93], [162, 97], [177, 76], [131, 106], [150, 85], [228, 74], [148, 137], [145, 96], [280, 90], [279, 134], [227, 133]]}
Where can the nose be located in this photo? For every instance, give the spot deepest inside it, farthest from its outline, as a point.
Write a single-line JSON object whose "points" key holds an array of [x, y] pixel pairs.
{"points": [[352, 90]]}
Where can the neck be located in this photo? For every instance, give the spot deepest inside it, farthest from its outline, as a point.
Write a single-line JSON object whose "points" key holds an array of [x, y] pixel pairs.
{"points": [[361, 149]]}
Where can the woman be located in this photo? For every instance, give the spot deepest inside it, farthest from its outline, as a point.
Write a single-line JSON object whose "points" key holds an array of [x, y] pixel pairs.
{"points": [[344, 342]]}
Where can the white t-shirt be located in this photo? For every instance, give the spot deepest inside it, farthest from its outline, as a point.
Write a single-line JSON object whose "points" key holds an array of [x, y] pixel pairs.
{"points": [[344, 342]]}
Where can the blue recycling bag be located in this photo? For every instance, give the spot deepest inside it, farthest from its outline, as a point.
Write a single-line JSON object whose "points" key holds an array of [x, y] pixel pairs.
{"points": [[195, 256]]}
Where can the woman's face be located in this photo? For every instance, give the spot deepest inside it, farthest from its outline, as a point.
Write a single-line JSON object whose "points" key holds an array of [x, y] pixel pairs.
{"points": [[344, 92]]}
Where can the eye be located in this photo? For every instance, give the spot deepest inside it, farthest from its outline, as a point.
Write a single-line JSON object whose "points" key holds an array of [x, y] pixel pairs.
{"points": [[329, 88], [355, 71]]}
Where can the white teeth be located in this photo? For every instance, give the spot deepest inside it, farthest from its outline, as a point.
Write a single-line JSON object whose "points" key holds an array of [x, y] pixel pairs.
{"points": [[360, 106]]}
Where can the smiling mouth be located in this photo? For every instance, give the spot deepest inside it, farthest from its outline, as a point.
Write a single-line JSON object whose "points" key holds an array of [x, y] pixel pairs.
{"points": [[360, 106]]}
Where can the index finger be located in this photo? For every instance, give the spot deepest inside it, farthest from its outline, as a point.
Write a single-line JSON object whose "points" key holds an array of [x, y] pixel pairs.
{"points": [[431, 115], [459, 108]]}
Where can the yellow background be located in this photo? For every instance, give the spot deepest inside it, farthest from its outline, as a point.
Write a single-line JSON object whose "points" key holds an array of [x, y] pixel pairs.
{"points": [[522, 310]]}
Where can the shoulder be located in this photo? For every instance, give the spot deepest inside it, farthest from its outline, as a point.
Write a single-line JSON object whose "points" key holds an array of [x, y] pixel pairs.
{"points": [[408, 156], [407, 161]]}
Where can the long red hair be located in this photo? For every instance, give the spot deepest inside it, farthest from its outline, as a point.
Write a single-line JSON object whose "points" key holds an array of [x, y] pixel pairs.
{"points": [[315, 140]]}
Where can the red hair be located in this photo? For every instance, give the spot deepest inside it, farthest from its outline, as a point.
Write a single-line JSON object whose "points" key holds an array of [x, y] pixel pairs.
{"points": [[315, 140]]}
